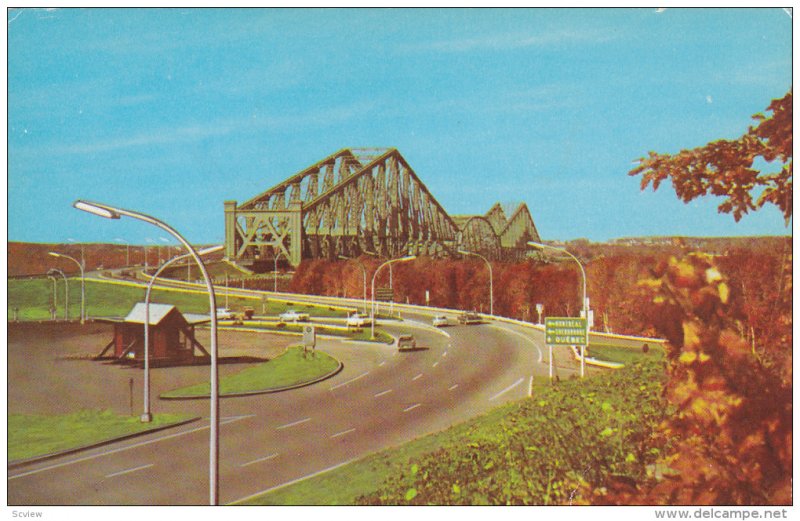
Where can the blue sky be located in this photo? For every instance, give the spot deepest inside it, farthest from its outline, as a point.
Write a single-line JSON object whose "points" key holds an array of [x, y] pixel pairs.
{"points": [[171, 112]]}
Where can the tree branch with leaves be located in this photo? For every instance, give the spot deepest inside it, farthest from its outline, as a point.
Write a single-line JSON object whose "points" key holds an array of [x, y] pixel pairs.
{"points": [[725, 168]]}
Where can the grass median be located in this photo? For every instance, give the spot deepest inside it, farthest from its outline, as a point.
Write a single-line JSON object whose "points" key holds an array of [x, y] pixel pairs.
{"points": [[293, 367], [32, 435]]}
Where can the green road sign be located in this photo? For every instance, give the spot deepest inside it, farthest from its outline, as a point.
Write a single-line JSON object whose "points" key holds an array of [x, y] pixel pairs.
{"points": [[565, 331]]}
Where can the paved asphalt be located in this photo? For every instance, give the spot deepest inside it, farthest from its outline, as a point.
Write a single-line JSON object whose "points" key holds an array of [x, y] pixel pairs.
{"points": [[381, 398]]}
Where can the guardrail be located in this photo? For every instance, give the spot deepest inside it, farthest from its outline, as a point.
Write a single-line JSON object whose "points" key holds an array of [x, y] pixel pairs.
{"points": [[358, 302]]}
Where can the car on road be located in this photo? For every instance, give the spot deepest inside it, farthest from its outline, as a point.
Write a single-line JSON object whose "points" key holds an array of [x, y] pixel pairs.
{"points": [[225, 314], [406, 342], [356, 320], [440, 321], [469, 317], [293, 316]]}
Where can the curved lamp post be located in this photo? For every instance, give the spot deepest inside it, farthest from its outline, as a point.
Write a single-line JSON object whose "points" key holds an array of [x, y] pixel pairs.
{"points": [[83, 281], [491, 282], [364, 269], [372, 314], [110, 212], [146, 416], [275, 273], [540, 246], [66, 291], [127, 251]]}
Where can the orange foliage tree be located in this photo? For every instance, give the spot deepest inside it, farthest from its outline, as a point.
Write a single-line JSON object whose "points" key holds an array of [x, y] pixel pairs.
{"points": [[731, 433], [726, 167]]}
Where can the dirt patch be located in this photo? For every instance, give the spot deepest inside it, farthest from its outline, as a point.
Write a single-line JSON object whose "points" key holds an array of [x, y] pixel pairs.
{"points": [[49, 370]]}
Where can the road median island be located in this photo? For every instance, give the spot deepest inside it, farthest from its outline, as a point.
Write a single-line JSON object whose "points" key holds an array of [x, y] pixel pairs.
{"points": [[33, 437], [294, 368]]}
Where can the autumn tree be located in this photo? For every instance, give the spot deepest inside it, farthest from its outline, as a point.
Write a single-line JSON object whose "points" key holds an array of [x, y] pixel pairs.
{"points": [[731, 430], [727, 168]]}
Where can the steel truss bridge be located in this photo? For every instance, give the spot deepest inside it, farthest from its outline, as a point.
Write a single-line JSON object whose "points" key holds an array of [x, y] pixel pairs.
{"points": [[364, 201]]}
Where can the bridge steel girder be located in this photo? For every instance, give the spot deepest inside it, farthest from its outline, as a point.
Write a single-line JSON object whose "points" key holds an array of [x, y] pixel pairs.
{"points": [[352, 202]]}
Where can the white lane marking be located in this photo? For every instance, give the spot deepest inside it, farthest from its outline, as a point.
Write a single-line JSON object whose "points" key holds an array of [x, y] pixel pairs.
{"points": [[435, 364], [120, 473], [298, 422], [121, 449], [298, 480], [417, 377], [452, 387], [541, 355], [504, 391], [362, 375], [382, 362], [383, 392], [259, 460], [348, 431], [412, 407]]}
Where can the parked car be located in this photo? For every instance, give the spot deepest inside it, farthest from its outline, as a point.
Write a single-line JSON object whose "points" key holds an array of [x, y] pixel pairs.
{"points": [[469, 317], [440, 321], [356, 320], [225, 314], [293, 316], [406, 342]]}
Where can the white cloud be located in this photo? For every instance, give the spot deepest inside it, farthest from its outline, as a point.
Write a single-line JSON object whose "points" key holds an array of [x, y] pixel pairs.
{"points": [[508, 42]]}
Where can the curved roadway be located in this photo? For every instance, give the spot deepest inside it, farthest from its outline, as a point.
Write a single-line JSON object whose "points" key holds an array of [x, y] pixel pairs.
{"points": [[382, 398]]}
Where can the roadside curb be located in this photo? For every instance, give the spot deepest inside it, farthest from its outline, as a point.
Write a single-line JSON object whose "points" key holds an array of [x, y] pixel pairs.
{"points": [[66, 452], [261, 391]]}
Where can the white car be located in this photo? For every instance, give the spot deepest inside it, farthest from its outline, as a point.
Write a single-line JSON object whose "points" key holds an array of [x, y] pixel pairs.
{"points": [[225, 314], [440, 321], [293, 316], [356, 320]]}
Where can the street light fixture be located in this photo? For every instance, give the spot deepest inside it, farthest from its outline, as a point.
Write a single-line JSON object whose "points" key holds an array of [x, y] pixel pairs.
{"points": [[540, 246], [146, 416], [491, 282], [110, 212], [364, 269], [391, 261], [83, 281]]}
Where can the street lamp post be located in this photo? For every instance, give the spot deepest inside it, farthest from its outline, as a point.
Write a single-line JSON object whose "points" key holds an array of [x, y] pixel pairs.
{"points": [[83, 281], [364, 269], [275, 273], [110, 212], [127, 251], [55, 296], [491, 281], [391, 261], [146, 416], [66, 291], [585, 312]]}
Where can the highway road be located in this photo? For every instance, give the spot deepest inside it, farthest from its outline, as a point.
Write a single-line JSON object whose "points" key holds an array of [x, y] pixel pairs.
{"points": [[381, 398]]}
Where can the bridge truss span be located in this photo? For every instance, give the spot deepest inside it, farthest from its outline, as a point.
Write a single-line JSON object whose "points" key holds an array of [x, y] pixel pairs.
{"points": [[355, 201]]}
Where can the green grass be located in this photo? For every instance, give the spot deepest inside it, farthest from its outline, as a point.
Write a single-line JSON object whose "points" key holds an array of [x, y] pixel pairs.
{"points": [[105, 299], [624, 355], [536, 451], [291, 368], [36, 435]]}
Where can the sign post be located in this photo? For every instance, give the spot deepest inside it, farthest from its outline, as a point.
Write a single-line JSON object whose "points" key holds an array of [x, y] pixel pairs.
{"points": [[309, 337], [565, 331]]}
